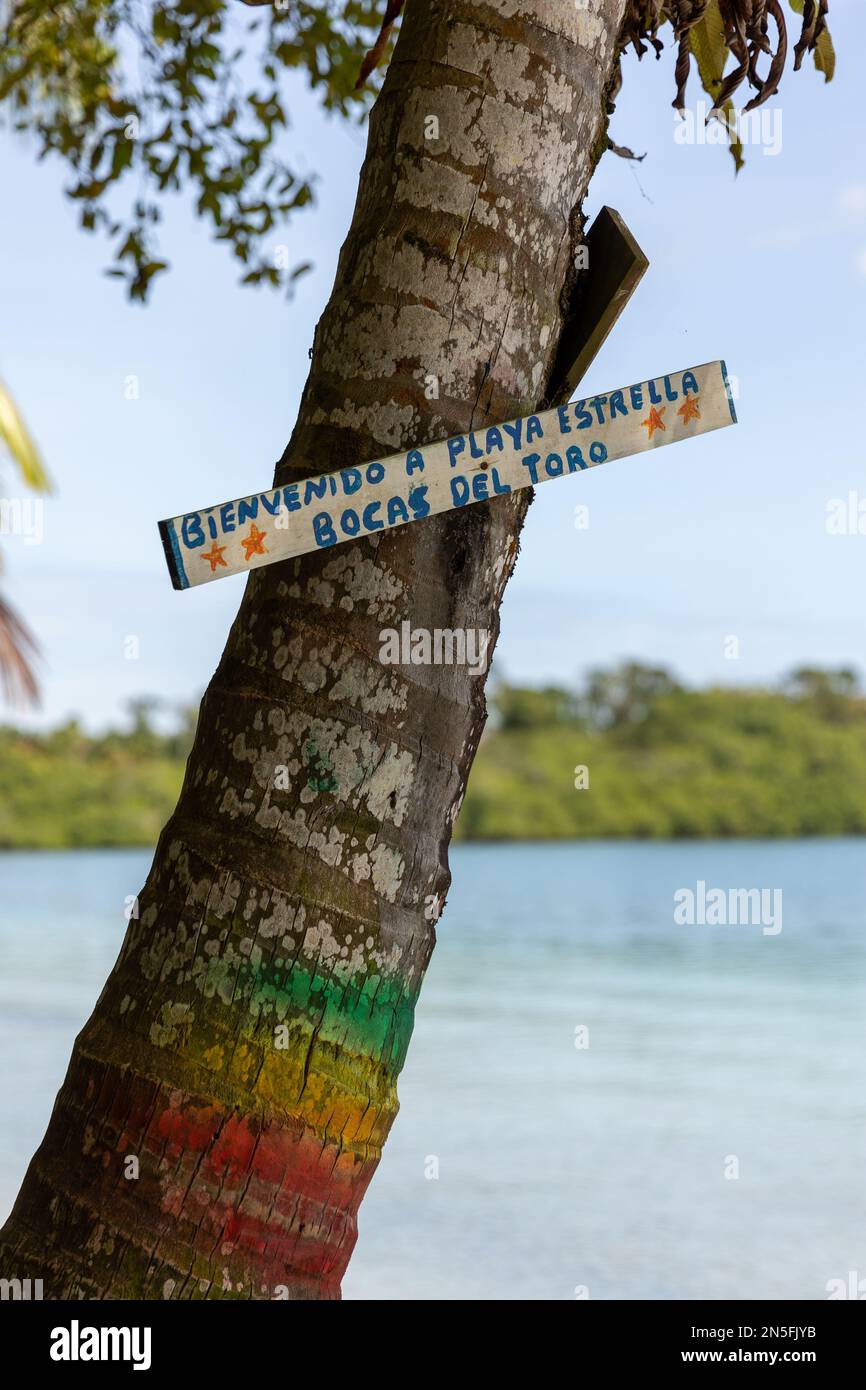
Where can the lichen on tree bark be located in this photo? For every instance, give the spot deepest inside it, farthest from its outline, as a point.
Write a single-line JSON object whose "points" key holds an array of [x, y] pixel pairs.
{"points": [[245, 1049]]}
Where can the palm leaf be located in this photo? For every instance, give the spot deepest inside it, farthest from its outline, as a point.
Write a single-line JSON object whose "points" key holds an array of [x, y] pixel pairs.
{"points": [[17, 650], [19, 442], [17, 647]]}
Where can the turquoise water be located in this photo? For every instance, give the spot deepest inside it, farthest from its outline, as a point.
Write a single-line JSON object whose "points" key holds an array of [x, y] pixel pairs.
{"points": [[559, 1168]]}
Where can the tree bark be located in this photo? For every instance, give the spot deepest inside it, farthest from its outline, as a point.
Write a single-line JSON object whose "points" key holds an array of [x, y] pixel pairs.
{"points": [[226, 1103]]}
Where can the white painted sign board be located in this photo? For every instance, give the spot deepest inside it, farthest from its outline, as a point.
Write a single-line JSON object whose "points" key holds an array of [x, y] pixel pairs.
{"points": [[327, 510]]}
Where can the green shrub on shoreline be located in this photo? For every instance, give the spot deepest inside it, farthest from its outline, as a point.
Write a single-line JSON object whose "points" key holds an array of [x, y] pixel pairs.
{"points": [[661, 763]]}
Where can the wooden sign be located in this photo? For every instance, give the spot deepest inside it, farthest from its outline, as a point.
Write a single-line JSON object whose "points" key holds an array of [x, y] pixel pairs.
{"points": [[327, 510]]}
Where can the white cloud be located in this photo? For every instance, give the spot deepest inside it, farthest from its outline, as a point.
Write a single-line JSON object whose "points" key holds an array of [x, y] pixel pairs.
{"points": [[861, 262]]}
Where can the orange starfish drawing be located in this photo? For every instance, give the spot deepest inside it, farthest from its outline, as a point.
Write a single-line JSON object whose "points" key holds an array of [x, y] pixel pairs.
{"points": [[253, 543], [654, 421], [689, 409], [215, 556]]}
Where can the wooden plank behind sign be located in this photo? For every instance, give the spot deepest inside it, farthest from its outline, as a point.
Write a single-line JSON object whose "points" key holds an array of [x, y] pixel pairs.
{"points": [[615, 267], [319, 512]]}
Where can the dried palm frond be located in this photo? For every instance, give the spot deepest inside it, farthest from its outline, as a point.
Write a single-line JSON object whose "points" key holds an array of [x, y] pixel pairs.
{"points": [[745, 32], [18, 648]]}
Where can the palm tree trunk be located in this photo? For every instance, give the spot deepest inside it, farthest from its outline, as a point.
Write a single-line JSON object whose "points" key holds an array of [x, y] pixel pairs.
{"points": [[226, 1104]]}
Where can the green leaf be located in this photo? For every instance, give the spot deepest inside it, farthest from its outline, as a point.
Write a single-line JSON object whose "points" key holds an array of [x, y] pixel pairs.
{"points": [[709, 47], [707, 39], [736, 145], [825, 56]]}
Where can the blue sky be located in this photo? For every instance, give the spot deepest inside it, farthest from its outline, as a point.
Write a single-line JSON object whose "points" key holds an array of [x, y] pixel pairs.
{"points": [[723, 537]]}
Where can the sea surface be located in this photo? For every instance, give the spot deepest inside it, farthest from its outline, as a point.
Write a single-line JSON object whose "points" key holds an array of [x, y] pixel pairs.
{"points": [[598, 1102]]}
